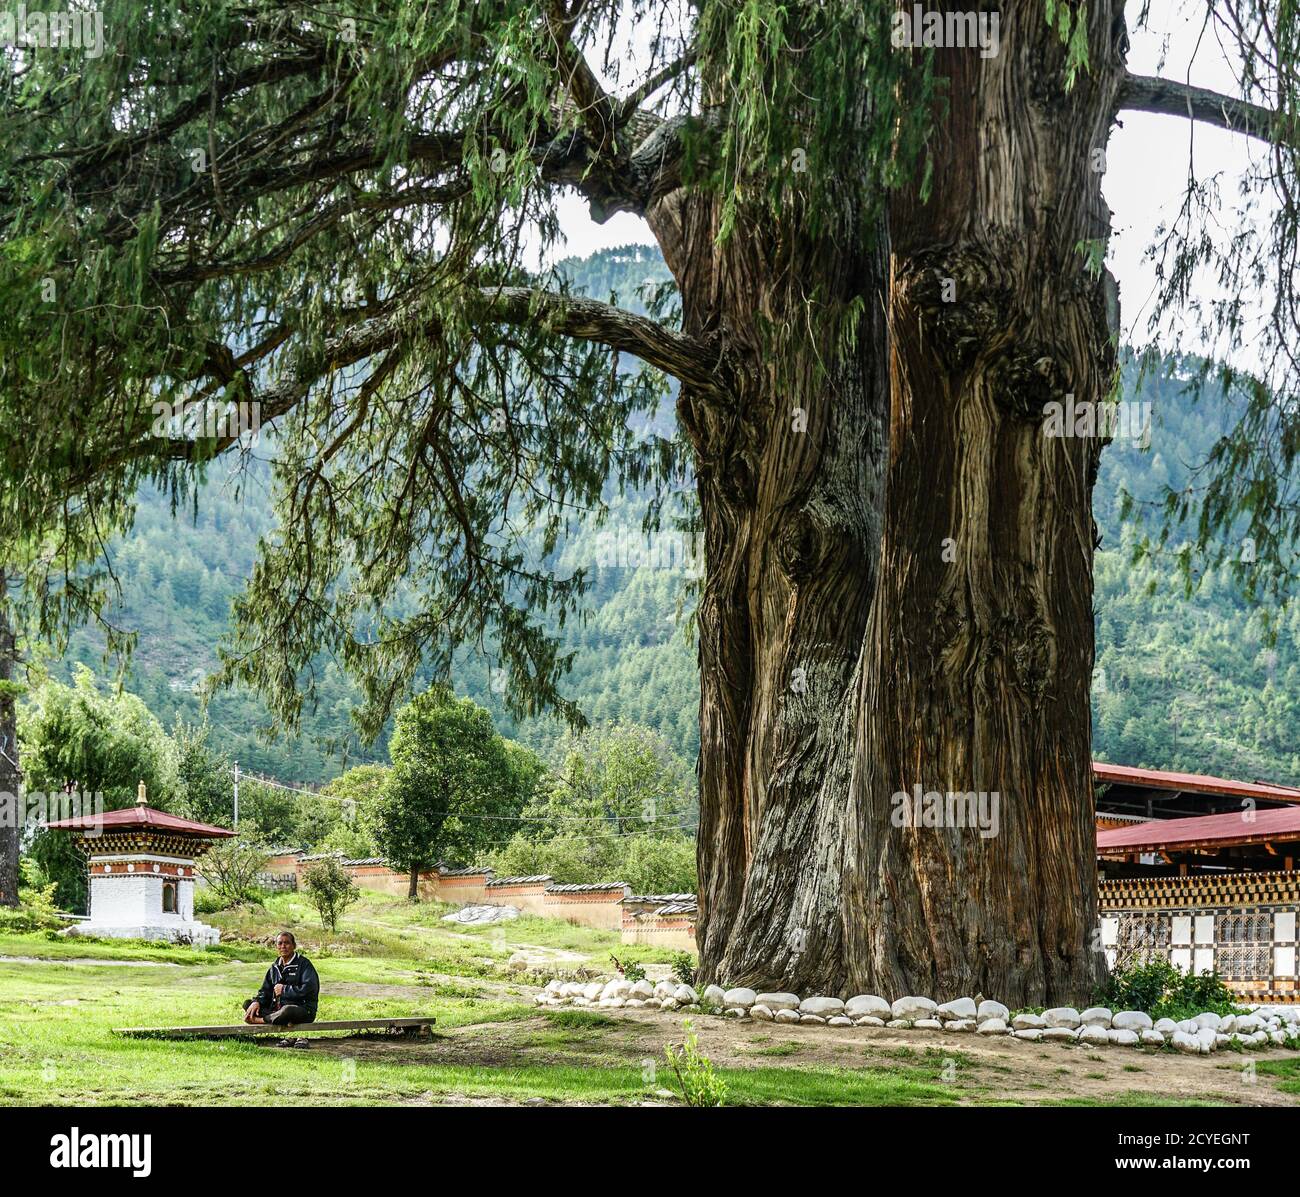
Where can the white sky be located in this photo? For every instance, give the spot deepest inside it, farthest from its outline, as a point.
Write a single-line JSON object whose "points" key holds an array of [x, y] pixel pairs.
{"points": [[1147, 159]]}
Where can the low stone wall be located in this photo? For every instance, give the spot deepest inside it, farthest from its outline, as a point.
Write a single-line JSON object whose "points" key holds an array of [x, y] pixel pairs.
{"points": [[1097, 1026], [466, 886], [665, 920], [596, 905], [381, 878], [527, 894]]}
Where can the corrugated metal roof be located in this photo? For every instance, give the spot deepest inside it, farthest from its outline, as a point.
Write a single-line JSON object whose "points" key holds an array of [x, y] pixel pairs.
{"points": [[1235, 827], [1197, 783]]}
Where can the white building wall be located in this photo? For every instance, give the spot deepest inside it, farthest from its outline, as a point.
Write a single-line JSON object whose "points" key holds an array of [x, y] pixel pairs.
{"points": [[121, 900]]}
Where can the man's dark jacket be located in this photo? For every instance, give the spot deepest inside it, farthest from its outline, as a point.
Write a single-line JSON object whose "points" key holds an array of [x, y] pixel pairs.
{"points": [[301, 986]]}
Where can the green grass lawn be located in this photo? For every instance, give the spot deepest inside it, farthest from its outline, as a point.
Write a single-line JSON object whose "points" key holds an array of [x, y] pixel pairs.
{"points": [[389, 958]]}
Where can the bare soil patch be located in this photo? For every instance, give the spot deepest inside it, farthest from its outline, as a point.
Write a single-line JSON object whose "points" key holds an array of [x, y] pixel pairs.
{"points": [[982, 1070]]}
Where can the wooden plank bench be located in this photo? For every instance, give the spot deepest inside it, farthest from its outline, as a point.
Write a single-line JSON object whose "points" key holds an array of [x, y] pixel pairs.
{"points": [[407, 1026]]}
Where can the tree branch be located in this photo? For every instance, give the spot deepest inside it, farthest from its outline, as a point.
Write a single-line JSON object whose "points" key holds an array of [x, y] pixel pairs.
{"points": [[685, 358], [1146, 93], [593, 103]]}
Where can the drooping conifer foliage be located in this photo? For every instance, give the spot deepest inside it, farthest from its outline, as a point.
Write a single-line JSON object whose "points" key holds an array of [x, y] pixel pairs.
{"points": [[327, 217]]}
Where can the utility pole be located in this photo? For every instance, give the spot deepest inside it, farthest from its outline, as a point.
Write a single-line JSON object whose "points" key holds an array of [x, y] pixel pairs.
{"points": [[236, 772]]}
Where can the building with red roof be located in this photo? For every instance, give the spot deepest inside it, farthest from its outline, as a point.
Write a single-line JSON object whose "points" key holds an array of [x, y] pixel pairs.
{"points": [[1201, 871], [141, 868]]}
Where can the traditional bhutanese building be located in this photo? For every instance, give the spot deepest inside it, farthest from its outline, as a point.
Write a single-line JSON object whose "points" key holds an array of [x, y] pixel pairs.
{"points": [[1201, 871], [141, 866]]}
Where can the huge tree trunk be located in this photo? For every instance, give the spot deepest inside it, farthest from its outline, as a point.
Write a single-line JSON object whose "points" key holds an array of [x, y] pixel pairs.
{"points": [[868, 627], [10, 778]]}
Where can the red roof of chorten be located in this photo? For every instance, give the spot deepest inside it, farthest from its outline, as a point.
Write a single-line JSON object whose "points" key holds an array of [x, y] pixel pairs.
{"points": [[136, 818]]}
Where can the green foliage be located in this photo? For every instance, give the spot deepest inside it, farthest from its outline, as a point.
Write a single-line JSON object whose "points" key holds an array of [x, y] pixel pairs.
{"points": [[208, 900], [422, 431], [36, 910], [453, 787], [617, 805], [1188, 681], [35, 888], [684, 967], [623, 774], [631, 970], [26, 920], [697, 1078], [1164, 991], [330, 889], [231, 868], [82, 739], [203, 775]]}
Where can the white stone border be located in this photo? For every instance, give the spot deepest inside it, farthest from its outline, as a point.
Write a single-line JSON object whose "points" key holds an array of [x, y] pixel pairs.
{"points": [[1264, 1027]]}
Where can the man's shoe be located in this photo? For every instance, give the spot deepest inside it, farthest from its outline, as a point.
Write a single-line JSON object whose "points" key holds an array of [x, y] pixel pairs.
{"points": [[302, 1043], [284, 1043]]}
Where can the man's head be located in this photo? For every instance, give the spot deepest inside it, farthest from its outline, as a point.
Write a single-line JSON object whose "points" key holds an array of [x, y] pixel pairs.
{"points": [[286, 945]]}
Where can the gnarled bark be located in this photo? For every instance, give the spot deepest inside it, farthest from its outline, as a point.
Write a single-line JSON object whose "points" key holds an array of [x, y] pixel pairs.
{"points": [[10, 778], [938, 604]]}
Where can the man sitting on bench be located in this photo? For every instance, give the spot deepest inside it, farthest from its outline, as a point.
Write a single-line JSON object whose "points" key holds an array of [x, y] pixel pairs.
{"points": [[289, 991]]}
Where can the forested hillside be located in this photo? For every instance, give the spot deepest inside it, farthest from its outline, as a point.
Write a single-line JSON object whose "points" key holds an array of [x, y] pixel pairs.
{"points": [[1181, 683]]}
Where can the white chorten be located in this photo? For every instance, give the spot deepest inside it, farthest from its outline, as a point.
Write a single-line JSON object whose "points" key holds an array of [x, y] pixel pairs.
{"points": [[141, 871]]}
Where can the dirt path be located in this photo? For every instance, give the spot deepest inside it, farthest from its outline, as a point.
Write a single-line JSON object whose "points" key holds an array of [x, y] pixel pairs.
{"points": [[982, 1070], [83, 961]]}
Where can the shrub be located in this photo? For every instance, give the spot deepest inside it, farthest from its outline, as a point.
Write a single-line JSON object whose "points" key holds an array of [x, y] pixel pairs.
{"points": [[209, 901], [231, 869], [36, 910], [331, 890], [631, 970], [24, 920], [1163, 991], [684, 967], [700, 1083]]}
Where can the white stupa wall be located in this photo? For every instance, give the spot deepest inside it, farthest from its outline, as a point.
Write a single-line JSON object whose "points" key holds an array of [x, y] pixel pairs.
{"points": [[138, 897], [126, 901]]}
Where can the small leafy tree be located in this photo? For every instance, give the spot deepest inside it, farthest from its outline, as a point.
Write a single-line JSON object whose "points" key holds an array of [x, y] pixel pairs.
{"points": [[684, 967], [331, 890], [700, 1083], [453, 788], [231, 869], [347, 798]]}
